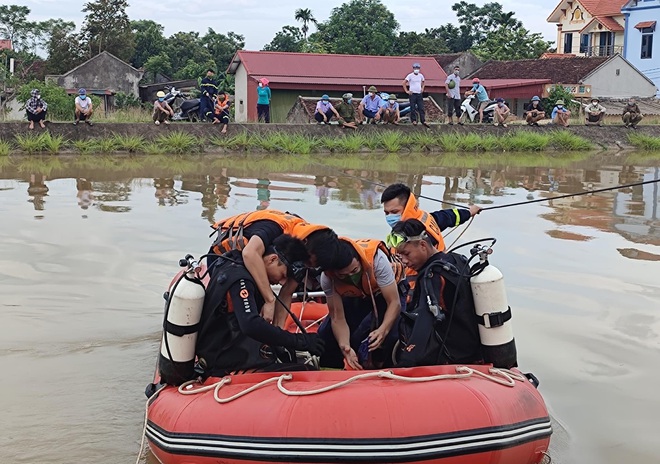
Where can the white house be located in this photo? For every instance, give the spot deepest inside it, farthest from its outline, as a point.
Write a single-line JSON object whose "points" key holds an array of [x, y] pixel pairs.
{"points": [[589, 27], [641, 17]]}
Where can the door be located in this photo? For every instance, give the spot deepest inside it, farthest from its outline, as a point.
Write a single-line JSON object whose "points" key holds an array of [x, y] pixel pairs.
{"points": [[606, 44]]}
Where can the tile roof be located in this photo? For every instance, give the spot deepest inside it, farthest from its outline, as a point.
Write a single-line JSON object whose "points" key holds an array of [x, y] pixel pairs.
{"points": [[607, 22], [5, 44], [603, 7], [645, 24], [566, 70], [312, 69]]}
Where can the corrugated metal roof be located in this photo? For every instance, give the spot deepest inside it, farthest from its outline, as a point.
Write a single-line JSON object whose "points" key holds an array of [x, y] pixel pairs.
{"points": [[306, 69]]}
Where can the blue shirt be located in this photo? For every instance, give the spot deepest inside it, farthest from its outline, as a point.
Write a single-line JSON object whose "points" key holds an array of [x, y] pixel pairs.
{"points": [[482, 95], [371, 104], [264, 95], [556, 110]]}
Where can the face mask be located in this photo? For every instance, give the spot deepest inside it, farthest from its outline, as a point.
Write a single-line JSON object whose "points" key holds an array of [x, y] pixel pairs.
{"points": [[82, 97], [371, 94], [392, 219], [355, 278], [416, 71], [475, 86], [456, 73], [560, 106], [260, 84], [160, 99], [500, 105], [349, 101]]}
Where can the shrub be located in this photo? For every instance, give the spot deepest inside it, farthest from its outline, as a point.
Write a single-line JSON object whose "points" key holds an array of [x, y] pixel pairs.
{"points": [[644, 142], [5, 148]]}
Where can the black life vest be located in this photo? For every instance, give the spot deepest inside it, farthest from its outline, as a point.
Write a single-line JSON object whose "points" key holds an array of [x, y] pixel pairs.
{"points": [[221, 345], [434, 329]]}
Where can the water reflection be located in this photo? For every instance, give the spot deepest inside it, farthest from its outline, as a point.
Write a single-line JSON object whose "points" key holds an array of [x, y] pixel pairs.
{"points": [[631, 212]]}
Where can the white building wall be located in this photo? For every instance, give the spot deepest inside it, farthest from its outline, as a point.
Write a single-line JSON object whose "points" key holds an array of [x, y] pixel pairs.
{"points": [[618, 79], [649, 10], [241, 94]]}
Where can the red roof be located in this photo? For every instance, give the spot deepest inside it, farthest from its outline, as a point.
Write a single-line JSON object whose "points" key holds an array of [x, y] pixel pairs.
{"points": [[645, 24], [335, 72], [5, 44], [607, 22], [603, 7]]}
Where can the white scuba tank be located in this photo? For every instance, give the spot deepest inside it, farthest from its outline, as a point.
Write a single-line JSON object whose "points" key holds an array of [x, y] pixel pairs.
{"points": [[177, 348], [494, 315]]}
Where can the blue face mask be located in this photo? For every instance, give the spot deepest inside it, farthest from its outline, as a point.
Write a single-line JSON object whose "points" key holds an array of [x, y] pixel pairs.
{"points": [[160, 99], [349, 101], [392, 219], [82, 97]]}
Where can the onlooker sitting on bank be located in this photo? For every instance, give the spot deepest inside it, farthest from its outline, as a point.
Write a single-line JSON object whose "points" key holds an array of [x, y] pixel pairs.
{"points": [[324, 110], [390, 112], [560, 114], [502, 113], [594, 113], [346, 111], [84, 108], [221, 110], [36, 108], [631, 114], [162, 110], [370, 106], [534, 111]]}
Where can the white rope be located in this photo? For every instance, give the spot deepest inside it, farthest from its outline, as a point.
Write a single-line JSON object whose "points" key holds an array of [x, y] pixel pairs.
{"points": [[318, 321], [144, 427], [504, 377]]}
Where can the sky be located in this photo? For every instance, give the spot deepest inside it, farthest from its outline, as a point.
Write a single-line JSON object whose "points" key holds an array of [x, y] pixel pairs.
{"points": [[259, 20]]}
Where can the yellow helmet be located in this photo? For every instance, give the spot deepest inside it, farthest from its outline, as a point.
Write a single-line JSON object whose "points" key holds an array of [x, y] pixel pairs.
{"points": [[160, 94]]}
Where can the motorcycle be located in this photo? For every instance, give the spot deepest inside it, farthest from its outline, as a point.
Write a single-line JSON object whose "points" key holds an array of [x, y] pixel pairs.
{"points": [[184, 107], [470, 113]]}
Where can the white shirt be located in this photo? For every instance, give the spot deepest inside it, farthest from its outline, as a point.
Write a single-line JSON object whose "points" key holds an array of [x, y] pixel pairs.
{"points": [[415, 82], [382, 270], [83, 103]]}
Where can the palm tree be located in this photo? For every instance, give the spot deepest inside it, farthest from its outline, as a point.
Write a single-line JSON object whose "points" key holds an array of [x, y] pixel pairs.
{"points": [[305, 16]]}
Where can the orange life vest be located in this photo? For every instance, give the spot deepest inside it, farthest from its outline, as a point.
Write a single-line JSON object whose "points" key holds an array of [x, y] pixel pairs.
{"points": [[366, 250], [221, 105], [303, 229], [230, 230], [412, 211]]}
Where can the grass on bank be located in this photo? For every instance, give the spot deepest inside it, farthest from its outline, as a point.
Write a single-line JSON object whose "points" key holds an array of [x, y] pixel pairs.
{"points": [[183, 143], [644, 142], [5, 148]]}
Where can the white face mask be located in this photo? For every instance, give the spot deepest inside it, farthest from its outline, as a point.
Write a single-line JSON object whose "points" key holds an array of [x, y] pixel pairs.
{"points": [[371, 94], [260, 84], [416, 71], [456, 72]]}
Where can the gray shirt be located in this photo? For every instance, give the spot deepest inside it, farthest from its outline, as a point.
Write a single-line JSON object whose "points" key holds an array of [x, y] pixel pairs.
{"points": [[382, 270], [454, 93]]}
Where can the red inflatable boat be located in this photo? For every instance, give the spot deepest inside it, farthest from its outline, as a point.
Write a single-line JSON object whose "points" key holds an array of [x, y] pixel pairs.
{"points": [[437, 414]]}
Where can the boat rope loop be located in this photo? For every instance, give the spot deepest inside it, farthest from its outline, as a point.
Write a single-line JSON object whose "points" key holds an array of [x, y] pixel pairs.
{"points": [[504, 377]]}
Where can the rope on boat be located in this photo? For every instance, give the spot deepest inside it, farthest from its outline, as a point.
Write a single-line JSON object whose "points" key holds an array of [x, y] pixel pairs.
{"points": [[144, 427], [504, 377]]}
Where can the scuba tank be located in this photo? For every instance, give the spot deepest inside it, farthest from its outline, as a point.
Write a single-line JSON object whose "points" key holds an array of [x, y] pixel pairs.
{"points": [[183, 311], [493, 311]]}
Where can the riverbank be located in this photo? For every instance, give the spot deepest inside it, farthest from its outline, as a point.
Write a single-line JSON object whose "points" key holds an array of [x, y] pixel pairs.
{"points": [[308, 138]]}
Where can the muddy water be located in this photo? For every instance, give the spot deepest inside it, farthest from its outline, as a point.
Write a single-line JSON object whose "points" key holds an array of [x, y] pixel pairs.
{"points": [[87, 246]]}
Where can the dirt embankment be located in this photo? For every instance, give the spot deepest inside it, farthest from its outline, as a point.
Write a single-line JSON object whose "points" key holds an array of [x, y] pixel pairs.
{"points": [[611, 137]]}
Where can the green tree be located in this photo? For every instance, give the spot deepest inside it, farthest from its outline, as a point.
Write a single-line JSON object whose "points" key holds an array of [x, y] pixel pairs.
{"points": [[183, 47], [194, 69], [424, 43], [14, 24], [289, 39], [511, 44], [222, 47], [305, 16], [364, 27], [558, 92], [64, 50], [158, 64], [107, 28], [149, 41]]}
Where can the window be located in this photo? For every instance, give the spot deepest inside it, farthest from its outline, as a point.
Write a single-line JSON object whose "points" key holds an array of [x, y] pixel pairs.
{"points": [[568, 42], [584, 43], [647, 42]]}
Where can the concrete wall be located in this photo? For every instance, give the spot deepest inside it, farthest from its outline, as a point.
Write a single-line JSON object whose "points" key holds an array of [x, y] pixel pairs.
{"points": [[103, 72], [618, 79], [468, 63], [241, 94], [648, 10]]}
